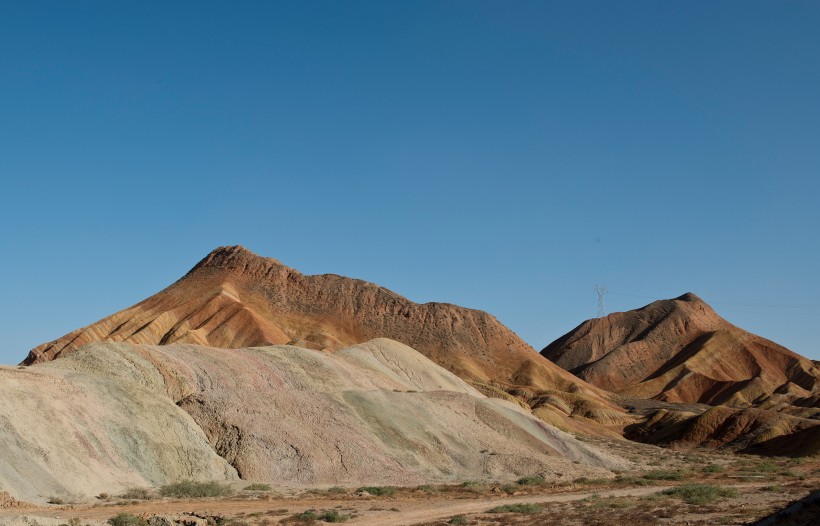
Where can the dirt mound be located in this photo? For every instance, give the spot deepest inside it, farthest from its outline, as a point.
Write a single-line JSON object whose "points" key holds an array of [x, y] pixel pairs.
{"points": [[234, 298], [680, 350], [115, 415]]}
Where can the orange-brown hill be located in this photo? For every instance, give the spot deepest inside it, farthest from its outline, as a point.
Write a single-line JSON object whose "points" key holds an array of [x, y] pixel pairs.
{"points": [[234, 298], [680, 350]]}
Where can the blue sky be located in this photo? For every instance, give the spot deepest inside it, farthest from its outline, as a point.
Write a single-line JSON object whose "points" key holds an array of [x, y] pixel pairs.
{"points": [[502, 156]]}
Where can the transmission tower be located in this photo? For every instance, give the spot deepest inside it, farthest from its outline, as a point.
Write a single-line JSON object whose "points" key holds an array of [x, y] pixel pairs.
{"points": [[601, 290]]}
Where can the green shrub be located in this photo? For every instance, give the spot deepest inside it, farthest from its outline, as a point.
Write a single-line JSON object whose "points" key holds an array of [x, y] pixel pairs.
{"points": [[458, 519], [531, 481], [333, 516], [517, 508], [190, 488], [379, 491], [127, 519], [699, 493], [258, 487], [714, 468], [305, 516]]}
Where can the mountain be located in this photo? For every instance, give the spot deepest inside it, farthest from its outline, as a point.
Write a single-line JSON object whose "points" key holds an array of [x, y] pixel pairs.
{"points": [[680, 350], [117, 415], [234, 298]]}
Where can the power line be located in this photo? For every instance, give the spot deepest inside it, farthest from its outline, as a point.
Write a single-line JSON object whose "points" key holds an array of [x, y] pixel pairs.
{"points": [[601, 290]]}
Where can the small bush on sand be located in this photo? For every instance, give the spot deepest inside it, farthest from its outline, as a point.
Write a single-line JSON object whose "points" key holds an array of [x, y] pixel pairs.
{"points": [[379, 491], [699, 493], [127, 519], [531, 481], [517, 508], [192, 489], [258, 487], [458, 519], [333, 516]]}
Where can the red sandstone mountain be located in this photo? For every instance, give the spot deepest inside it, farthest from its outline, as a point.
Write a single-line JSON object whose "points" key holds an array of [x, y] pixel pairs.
{"points": [[680, 350], [234, 298]]}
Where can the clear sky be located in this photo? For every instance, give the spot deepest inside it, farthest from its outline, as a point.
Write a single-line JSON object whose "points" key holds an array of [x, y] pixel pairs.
{"points": [[505, 156]]}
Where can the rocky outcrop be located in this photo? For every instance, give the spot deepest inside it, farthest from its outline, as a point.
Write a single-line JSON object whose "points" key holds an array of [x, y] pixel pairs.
{"points": [[680, 350]]}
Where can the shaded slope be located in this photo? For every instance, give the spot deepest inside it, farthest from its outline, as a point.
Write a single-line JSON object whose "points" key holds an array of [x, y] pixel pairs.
{"points": [[749, 430], [115, 415], [680, 350], [234, 298]]}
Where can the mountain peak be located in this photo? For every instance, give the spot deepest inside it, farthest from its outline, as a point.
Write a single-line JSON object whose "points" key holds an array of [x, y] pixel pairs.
{"points": [[236, 257], [690, 297]]}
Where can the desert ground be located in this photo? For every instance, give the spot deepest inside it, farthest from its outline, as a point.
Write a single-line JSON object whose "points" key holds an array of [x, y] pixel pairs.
{"points": [[671, 487]]}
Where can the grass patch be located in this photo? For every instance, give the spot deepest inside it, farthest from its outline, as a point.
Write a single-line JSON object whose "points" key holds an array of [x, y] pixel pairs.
{"points": [[531, 481], [127, 519], [258, 487], [458, 519], [774, 488], [193, 489], [663, 475], [700, 493], [517, 508], [714, 468], [379, 491]]}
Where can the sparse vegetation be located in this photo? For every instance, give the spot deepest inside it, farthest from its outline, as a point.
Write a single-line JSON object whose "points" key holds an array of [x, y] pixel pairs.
{"points": [[531, 481], [458, 519], [379, 491], [700, 493], [336, 490], [258, 487], [194, 489], [517, 508], [589, 481], [137, 494], [714, 468], [127, 519]]}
